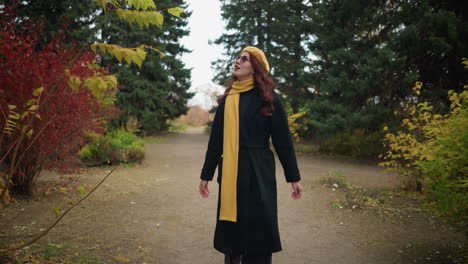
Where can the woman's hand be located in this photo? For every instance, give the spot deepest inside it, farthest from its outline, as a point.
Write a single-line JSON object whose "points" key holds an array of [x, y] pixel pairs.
{"points": [[203, 189], [297, 190]]}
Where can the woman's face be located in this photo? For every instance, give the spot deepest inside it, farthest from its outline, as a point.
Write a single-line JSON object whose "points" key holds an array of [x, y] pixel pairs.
{"points": [[243, 69]]}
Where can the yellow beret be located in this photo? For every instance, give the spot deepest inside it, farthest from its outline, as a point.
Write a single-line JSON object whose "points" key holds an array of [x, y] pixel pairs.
{"points": [[259, 55]]}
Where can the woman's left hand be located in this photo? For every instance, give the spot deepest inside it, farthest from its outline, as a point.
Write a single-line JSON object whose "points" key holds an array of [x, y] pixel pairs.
{"points": [[203, 189], [297, 190]]}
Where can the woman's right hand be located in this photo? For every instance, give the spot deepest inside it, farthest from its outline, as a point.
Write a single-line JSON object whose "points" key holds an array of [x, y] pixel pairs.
{"points": [[297, 190], [203, 189]]}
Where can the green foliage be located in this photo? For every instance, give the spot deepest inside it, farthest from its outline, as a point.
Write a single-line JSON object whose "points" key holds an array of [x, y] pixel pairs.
{"points": [[280, 30], [56, 12], [151, 140], [153, 90], [143, 16], [448, 169], [176, 126], [431, 149], [158, 90], [305, 148], [367, 59], [117, 146], [349, 64], [356, 142]]}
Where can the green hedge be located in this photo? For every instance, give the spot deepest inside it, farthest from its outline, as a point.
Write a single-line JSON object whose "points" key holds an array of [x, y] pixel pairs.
{"points": [[117, 146], [356, 143]]}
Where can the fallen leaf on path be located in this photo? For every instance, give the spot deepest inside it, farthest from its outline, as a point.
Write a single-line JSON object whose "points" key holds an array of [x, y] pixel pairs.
{"points": [[81, 190], [123, 259], [57, 210]]}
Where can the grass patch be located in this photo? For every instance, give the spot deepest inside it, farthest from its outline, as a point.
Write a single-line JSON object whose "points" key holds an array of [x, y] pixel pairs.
{"points": [[337, 204], [128, 164], [155, 140], [355, 197], [87, 259], [48, 252], [306, 148], [335, 180], [360, 198], [395, 204]]}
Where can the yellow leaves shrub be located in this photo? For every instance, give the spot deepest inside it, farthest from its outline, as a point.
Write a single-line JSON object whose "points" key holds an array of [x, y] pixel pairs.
{"points": [[415, 141], [430, 150]]}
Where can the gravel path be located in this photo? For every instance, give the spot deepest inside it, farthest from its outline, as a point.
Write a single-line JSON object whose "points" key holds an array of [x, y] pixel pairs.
{"points": [[152, 213]]}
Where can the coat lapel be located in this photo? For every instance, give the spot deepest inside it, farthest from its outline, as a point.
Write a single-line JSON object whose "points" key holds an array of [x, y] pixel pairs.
{"points": [[253, 104]]}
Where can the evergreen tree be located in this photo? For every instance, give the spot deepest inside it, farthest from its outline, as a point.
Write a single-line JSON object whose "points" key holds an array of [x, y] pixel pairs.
{"points": [[350, 63], [158, 91], [433, 42], [278, 29], [369, 54], [241, 22], [75, 17], [356, 72], [153, 94]]}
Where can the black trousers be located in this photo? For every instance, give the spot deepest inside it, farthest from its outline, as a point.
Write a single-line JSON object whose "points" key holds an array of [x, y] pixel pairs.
{"points": [[247, 259]]}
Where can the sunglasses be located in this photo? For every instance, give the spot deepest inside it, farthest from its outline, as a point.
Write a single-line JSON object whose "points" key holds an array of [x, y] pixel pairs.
{"points": [[242, 58]]}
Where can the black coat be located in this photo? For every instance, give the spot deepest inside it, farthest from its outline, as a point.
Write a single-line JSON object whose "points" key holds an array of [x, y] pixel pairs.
{"points": [[256, 230]]}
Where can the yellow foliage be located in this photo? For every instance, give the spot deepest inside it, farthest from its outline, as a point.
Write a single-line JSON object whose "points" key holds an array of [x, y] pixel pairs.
{"points": [[141, 4], [142, 18], [37, 92], [102, 4], [176, 11], [103, 88], [74, 82], [293, 126], [141, 15], [130, 55], [416, 138], [13, 118]]}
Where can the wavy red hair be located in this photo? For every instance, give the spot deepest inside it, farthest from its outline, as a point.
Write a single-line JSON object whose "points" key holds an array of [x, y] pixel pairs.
{"points": [[262, 80]]}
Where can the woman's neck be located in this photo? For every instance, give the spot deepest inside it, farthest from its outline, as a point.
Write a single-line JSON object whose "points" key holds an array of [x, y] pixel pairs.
{"points": [[241, 79]]}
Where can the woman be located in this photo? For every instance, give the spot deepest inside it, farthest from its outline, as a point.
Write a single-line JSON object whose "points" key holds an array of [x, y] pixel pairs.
{"points": [[249, 113]]}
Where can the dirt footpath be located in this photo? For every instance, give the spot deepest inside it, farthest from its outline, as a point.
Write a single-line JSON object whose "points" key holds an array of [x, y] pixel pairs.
{"points": [[152, 213]]}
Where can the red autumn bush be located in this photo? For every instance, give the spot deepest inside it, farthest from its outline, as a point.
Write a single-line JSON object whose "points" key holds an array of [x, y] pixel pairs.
{"points": [[65, 114]]}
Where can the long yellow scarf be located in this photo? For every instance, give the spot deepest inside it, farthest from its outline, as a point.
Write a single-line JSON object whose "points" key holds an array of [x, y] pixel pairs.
{"points": [[228, 210]]}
